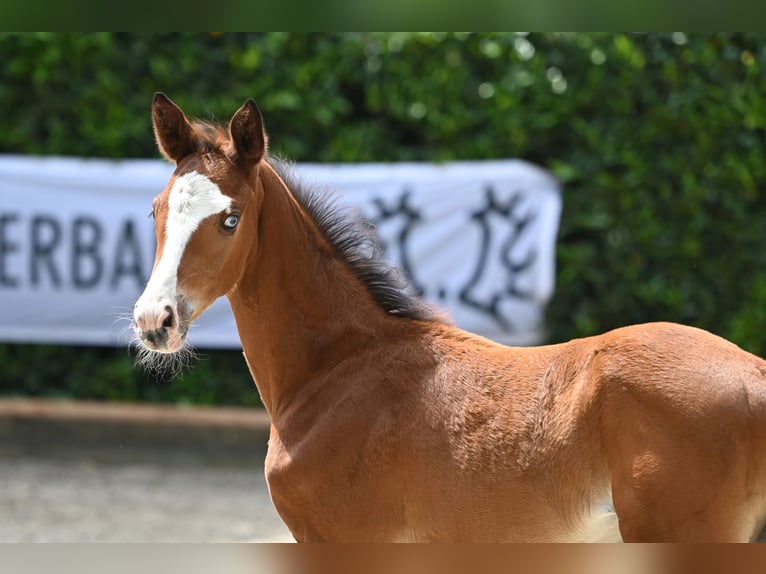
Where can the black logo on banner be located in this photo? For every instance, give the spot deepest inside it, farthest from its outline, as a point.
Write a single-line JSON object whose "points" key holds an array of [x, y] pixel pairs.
{"points": [[406, 216], [512, 229], [502, 225]]}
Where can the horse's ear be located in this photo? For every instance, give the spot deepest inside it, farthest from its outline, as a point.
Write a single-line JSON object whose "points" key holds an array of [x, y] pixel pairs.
{"points": [[247, 134], [174, 134]]}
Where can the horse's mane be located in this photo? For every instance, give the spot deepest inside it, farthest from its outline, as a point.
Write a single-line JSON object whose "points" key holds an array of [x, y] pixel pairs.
{"points": [[355, 240]]}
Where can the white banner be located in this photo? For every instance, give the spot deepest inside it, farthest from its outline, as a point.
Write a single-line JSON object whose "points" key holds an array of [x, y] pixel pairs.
{"points": [[77, 245]]}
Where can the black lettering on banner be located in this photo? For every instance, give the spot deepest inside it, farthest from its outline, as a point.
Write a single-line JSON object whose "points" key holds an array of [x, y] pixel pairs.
{"points": [[127, 257], [6, 248], [44, 239], [87, 265]]}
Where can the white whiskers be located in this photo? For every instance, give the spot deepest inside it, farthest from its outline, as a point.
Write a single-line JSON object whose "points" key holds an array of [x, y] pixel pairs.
{"points": [[164, 365], [160, 365], [127, 335]]}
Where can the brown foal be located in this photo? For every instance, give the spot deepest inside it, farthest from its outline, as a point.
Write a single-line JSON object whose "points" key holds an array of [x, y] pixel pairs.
{"points": [[388, 423]]}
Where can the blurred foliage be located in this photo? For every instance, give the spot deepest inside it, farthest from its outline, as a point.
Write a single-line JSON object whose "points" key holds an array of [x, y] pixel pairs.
{"points": [[657, 138], [217, 377]]}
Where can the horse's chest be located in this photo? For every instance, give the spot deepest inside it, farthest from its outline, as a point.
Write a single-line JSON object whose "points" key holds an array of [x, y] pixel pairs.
{"points": [[329, 501]]}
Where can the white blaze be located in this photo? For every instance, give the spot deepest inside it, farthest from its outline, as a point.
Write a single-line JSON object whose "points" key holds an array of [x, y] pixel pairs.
{"points": [[192, 199]]}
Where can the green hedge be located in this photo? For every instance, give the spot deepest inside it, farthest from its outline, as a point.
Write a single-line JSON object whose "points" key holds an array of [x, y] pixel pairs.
{"points": [[658, 140]]}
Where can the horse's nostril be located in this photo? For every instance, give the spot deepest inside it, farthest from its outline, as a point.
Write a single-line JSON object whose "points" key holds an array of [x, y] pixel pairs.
{"points": [[168, 322]]}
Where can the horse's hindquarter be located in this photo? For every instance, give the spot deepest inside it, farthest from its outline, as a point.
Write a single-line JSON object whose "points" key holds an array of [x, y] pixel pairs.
{"points": [[683, 421]]}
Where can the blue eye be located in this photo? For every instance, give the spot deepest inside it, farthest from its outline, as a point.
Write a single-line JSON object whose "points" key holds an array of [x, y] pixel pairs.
{"points": [[231, 221]]}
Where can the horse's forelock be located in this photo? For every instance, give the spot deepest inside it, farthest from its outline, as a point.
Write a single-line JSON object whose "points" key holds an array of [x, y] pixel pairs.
{"points": [[211, 138]]}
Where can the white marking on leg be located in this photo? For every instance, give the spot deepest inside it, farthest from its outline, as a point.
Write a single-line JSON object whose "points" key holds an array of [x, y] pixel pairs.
{"points": [[601, 525]]}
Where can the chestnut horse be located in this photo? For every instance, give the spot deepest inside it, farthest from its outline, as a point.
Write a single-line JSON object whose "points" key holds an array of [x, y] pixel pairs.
{"points": [[388, 423]]}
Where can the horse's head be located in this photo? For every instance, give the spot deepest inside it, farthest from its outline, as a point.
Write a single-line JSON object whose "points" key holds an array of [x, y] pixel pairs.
{"points": [[205, 219]]}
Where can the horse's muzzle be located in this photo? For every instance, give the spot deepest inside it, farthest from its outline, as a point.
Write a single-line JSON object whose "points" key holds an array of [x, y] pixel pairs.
{"points": [[158, 326]]}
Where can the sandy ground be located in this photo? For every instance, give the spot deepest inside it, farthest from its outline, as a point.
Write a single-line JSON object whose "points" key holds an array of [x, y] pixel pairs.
{"points": [[89, 501], [97, 482]]}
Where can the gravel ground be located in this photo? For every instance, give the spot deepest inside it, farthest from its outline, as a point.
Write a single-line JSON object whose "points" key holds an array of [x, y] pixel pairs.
{"points": [[128, 479], [89, 501]]}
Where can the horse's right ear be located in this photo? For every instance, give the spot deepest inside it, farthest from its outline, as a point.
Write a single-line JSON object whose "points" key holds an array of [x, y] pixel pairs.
{"points": [[172, 130]]}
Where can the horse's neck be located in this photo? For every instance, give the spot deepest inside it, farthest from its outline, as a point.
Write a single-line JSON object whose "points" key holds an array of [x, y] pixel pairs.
{"points": [[299, 309]]}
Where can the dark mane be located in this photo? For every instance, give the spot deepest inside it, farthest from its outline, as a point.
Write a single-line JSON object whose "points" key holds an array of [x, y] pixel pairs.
{"points": [[355, 240]]}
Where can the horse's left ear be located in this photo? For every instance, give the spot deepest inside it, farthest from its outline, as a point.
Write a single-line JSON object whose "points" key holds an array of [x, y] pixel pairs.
{"points": [[247, 134]]}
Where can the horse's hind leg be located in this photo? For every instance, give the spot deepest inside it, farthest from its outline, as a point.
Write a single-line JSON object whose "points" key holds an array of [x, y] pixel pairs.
{"points": [[689, 505], [655, 523], [678, 477]]}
